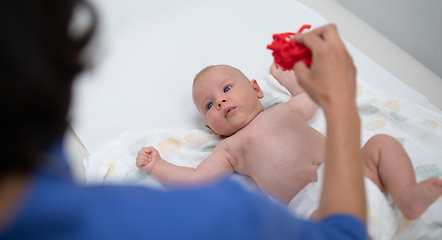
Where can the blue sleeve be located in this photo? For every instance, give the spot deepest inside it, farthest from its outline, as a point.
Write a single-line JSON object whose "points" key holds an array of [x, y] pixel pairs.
{"points": [[55, 208], [343, 227], [226, 211]]}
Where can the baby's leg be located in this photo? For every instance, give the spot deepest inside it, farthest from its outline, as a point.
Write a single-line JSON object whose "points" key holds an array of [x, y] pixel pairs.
{"points": [[389, 167]]}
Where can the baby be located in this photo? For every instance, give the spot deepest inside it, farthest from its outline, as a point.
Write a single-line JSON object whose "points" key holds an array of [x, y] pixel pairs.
{"points": [[277, 148]]}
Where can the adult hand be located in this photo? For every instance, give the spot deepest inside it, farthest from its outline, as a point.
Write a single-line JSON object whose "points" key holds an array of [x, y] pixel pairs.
{"points": [[331, 78], [331, 82]]}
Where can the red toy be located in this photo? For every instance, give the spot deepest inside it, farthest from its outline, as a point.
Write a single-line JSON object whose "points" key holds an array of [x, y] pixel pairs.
{"points": [[287, 52]]}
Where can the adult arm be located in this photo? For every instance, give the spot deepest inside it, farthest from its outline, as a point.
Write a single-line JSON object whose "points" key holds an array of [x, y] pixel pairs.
{"points": [[331, 82]]}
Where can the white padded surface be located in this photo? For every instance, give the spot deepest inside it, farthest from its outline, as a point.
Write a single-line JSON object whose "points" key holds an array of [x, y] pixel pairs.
{"points": [[151, 50]]}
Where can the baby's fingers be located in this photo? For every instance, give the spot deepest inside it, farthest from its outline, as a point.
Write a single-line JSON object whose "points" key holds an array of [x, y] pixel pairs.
{"points": [[141, 163], [144, 157], [142, 151], [151, 150], [148, 149]]}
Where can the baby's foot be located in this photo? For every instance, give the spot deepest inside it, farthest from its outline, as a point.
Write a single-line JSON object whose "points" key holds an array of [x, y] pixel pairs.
{"points": [[418, 198]]}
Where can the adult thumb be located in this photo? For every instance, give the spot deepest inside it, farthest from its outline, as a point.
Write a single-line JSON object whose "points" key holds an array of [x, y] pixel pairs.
{"points": [[302, 72]]}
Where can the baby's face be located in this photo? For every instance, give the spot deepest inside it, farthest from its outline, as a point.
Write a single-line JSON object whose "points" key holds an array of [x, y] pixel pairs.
{"points": [[226, 99]]}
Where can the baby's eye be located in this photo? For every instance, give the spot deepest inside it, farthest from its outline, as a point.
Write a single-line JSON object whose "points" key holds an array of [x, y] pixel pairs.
{"points": [[209, 106], [226, 89]]}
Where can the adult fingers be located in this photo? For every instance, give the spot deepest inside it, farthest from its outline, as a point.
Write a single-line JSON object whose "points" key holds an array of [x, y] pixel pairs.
{"points": [[317, 36], [311, 39], [328, 32], [305, 79]]}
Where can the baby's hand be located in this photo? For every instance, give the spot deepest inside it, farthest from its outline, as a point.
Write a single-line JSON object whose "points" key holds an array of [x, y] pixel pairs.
{"points": [[148, 158], [287, 79]]}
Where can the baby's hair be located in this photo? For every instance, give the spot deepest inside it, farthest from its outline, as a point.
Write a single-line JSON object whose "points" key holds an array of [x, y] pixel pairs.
{"points": [[202, 72], [206, 69]]}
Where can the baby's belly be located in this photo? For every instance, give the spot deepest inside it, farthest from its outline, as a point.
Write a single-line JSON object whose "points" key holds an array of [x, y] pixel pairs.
{"points": [[284, 165], [284, 182], [281, 153]]}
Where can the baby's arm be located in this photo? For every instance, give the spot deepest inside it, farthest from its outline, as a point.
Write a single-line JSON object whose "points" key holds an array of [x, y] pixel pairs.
{"points": [[287, 79], [304, 105], [300, 100], [215, 167]]}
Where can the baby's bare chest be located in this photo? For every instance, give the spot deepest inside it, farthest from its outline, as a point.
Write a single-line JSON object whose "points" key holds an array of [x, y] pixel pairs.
{"points": [[277, 141]]}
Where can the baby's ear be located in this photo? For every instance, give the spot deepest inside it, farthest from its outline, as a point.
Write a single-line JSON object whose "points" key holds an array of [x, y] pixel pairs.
{"points": [[257, 88], [219, 135]]}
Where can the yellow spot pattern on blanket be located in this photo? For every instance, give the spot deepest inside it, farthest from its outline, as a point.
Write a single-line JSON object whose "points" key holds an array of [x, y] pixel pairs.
{"points": [[196, 138], [375, 124], [394, 105], [402, 225], [431, 124], [111, 169], [373, 100], [373, 214], [375, 219], [168, 145], [359, 90]]}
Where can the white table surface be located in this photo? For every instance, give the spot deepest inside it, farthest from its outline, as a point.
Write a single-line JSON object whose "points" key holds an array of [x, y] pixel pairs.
{"points": [[355, 31]]}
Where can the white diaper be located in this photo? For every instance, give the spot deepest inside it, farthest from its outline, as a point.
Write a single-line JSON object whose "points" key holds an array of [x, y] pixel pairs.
{"points": [[381, 217]]}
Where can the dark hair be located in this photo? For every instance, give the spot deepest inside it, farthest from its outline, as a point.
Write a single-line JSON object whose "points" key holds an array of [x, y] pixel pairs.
{"points": [[38, 61]]}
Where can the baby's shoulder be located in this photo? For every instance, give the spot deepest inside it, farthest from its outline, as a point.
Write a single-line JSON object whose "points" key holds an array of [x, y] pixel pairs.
{"points": [[231, 147], [232, 141], [280, 106], [281, 109]]}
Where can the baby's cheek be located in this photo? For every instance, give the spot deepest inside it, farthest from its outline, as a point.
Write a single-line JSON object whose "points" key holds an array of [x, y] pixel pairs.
{"points": [[217, 127], [211, 120]]}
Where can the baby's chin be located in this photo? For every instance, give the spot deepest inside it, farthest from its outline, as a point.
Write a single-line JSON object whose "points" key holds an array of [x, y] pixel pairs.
{"points": [[237, 126], [230, 132]]}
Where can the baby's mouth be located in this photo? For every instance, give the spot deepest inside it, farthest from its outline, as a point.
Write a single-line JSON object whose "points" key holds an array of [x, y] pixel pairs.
{"points": [[228, 111]]}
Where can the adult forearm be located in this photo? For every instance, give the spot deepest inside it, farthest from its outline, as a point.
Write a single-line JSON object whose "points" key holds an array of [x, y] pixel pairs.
{"points": [[343, 187], [331, 82]]}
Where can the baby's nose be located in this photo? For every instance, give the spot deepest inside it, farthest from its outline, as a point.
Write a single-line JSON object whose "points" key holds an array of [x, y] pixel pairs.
{"points": [[220, 102]]}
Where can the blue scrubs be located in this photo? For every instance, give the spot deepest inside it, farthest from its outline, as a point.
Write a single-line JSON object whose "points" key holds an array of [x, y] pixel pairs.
{"points": [[56, 208]]}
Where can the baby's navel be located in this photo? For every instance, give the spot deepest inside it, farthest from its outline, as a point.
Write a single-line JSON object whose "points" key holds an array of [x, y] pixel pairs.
{"points": [[317, 164]]}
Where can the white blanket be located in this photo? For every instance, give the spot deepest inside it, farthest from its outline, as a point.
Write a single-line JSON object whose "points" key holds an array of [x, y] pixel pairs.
{"points": [[418, 129], [150, 51]]}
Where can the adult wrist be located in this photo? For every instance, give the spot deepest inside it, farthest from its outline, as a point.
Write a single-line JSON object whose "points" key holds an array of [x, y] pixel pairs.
{"points": [[337, 107]]}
